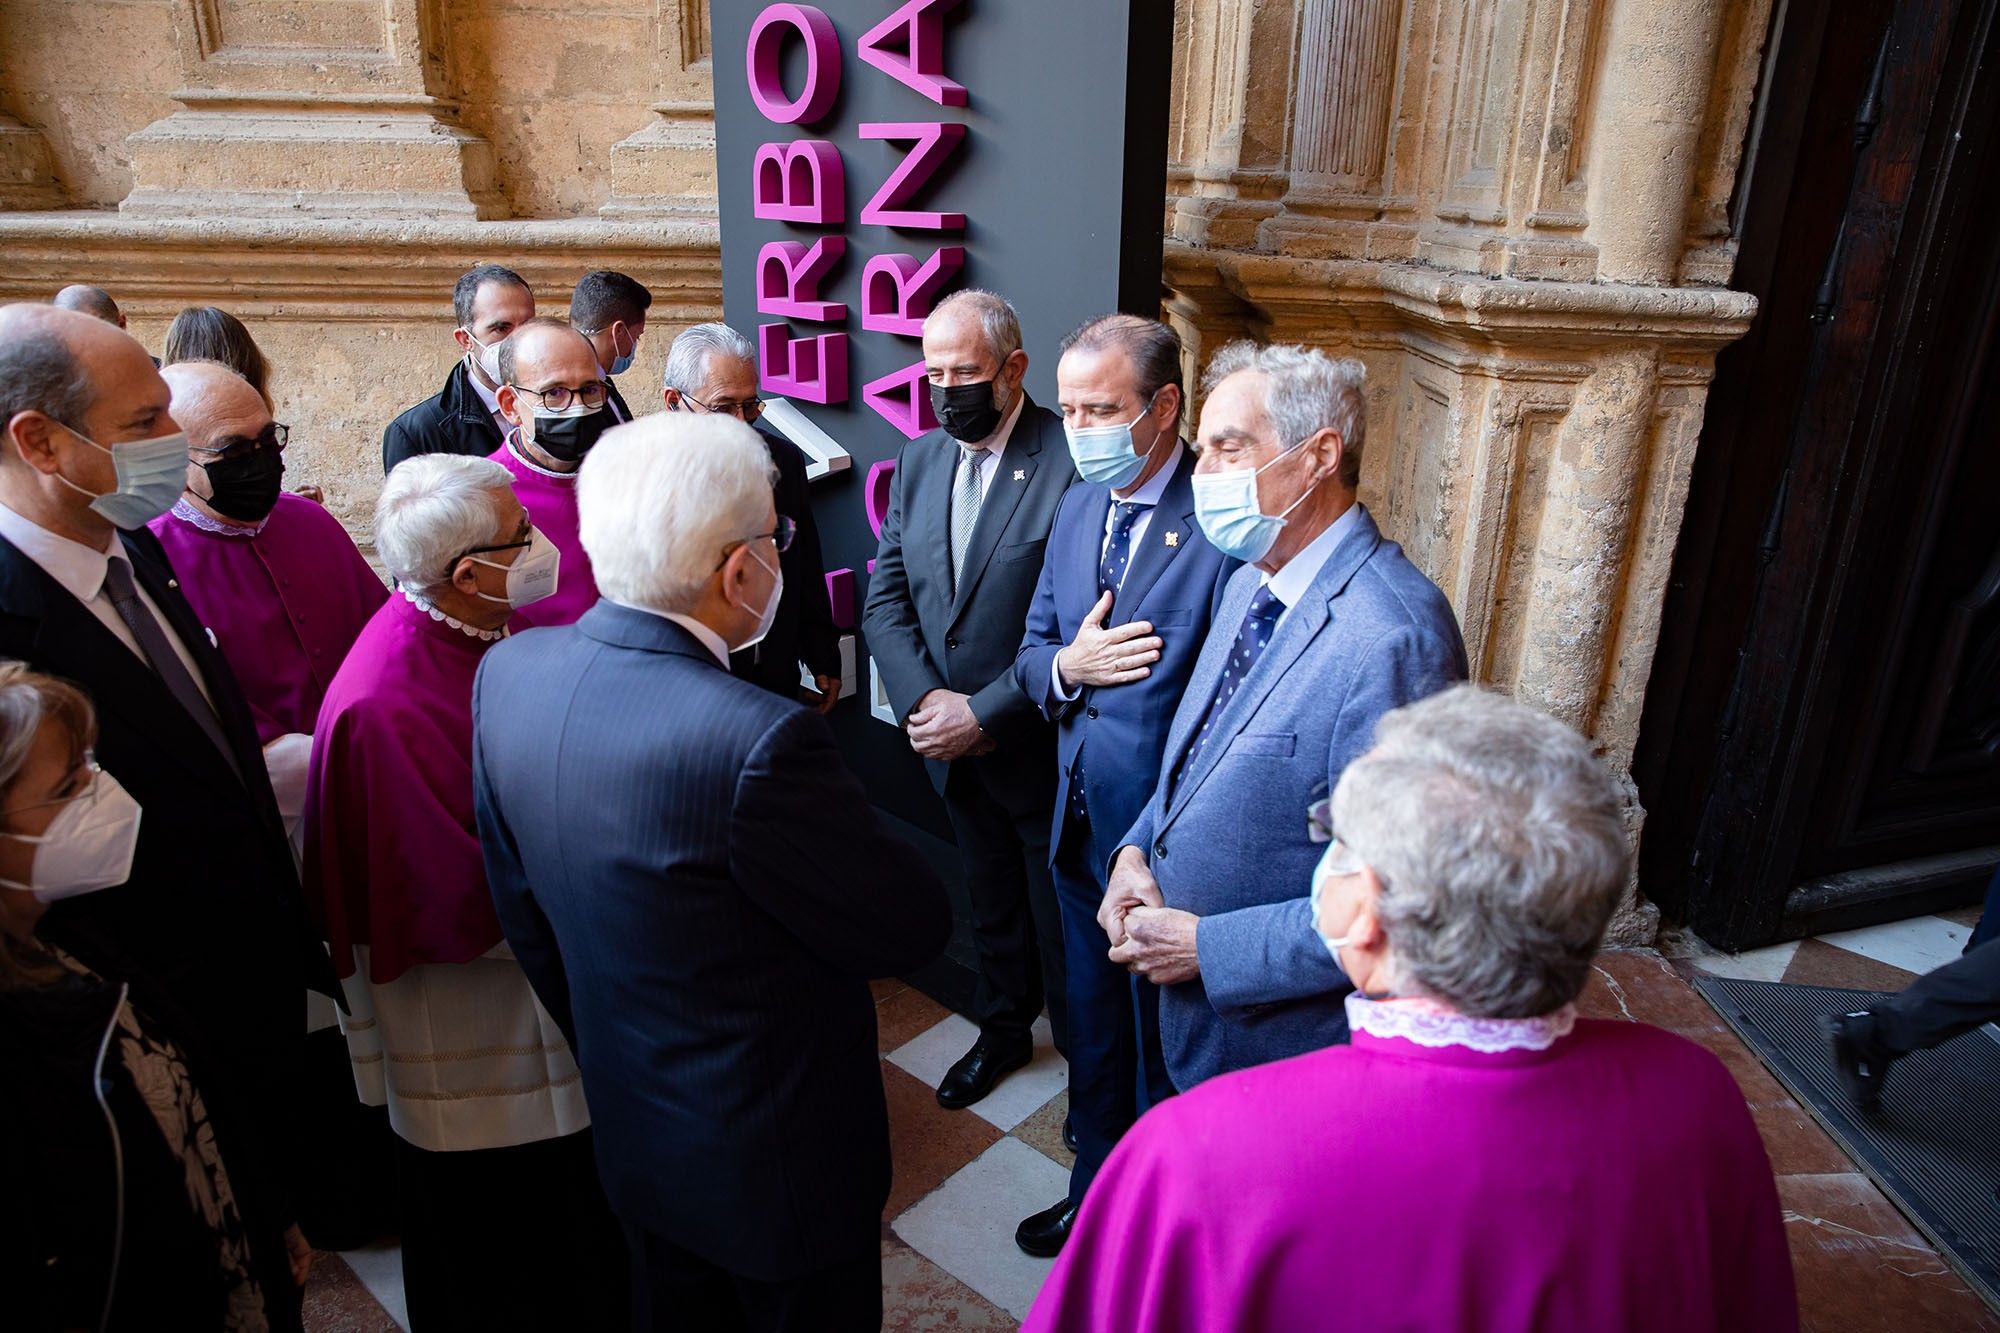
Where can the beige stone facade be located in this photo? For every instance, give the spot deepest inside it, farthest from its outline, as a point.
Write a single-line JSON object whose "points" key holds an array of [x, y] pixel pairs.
{"points": [[1514, 211]]}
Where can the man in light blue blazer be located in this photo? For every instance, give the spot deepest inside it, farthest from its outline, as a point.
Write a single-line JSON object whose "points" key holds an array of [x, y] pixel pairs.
{"points": [[1127, 590], [1328, 628]]}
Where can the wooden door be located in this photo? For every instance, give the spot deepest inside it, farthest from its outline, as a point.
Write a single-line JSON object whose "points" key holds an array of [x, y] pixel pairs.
{"points": [[1821, 743]]}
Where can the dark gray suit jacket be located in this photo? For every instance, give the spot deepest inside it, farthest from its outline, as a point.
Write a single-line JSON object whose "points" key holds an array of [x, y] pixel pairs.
{"points": [[699, 892], [924, 633]]}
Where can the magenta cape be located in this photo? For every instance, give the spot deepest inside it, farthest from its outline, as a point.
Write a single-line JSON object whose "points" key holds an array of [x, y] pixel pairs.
{"points": [[392, 852], [284, 605], [1614, 1181], [551, 502]]}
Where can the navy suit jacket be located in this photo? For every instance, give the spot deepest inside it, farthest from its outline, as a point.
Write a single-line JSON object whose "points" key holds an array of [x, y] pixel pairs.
{"points": [[699, 893], [927, 634], [1230, 841], [1174, 580]]}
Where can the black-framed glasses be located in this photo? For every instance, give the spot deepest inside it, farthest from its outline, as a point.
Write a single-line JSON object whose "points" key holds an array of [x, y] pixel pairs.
{"points": [[746, 411], [781, 537], [558, 397], [527, 538], [274, 436]]}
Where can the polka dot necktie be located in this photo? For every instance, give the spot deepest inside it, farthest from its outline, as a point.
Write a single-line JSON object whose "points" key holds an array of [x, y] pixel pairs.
{"points": [[1251, 640], [1118, 550]]}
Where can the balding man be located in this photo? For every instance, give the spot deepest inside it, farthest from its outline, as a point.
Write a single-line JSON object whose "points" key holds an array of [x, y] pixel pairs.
{"points": [[555, 402], [489, 302], [87, 300], [1326, 627], [274, 577], [210, 921], [961, 549]]}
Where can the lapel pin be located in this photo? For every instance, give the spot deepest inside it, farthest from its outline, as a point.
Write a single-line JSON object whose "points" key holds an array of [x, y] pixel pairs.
{"points": [[1173, 539], [1020, 474]]}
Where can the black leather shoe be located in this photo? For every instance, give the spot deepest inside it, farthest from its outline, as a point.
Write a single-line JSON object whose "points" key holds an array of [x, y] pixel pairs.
{"points": [[1858, 1058], [979, 1069], [1069, 1133], [1043, 1234]]}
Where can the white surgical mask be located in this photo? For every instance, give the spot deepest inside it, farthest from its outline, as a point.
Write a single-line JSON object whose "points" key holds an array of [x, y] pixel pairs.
{"points": [[1327, 867], [533, 575], [486, 355], [151, 475], [1226, 507], [1104, 455], [770, 611], [88, 846]]}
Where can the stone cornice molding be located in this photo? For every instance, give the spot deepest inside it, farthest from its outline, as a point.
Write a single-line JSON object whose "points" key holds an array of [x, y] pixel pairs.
{"points": [[358, 270], [1331, 299]]}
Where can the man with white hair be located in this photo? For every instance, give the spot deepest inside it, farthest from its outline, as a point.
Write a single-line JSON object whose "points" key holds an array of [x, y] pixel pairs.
{"points": [[502, 1223], [970, 509], [711, 368], [1326, 628], [700, 892]]}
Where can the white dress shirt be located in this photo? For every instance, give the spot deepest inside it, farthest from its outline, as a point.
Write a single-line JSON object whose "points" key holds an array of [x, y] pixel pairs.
{"points": [[1292, 580], [709, 638], [80, 571], [490, 397]]}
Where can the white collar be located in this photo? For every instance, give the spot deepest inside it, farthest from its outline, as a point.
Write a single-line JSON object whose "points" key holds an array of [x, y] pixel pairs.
{"points": [[490, 397], [469, 631], [709, 638], [1156, 485], [1429, 1023], [514, 448], [75, 566], [1290, 584], [194, 518]]}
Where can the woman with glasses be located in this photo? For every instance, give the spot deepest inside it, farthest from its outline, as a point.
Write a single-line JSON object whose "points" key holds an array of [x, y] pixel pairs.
{"points": [[121, 1208], [1480, 1159]]}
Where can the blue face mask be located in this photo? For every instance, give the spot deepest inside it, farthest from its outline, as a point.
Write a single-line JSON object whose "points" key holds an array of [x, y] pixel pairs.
{"points": [[1225, 505], [620, 362], [1106, 455], [151, 474]]}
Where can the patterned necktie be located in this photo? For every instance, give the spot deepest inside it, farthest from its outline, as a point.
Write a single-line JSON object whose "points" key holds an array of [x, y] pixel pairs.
{"points": [[1118, 550], [964, 508], [166, 662], [1251, 640]]}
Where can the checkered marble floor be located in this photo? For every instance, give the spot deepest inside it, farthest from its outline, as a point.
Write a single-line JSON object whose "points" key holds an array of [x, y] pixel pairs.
{"points": [[964, 1179]]}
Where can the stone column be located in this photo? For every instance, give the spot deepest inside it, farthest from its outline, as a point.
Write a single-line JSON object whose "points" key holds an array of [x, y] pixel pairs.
{"points": [[331, 108], [666, 168], [1346, 81], [1659, 59], [1231, 99]]}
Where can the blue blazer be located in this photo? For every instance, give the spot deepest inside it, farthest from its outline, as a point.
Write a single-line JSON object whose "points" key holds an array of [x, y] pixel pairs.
{"points": [[1175, 580], [699, 892], [1230, 843]]}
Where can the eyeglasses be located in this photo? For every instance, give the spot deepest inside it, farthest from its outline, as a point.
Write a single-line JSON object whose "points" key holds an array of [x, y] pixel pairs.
{"points": [[527, 538], [560, 396], [781, 537], [746, 411], [274, 436], [1342, 859]]}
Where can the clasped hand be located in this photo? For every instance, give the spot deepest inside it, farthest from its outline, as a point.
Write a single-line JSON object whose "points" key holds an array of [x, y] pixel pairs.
{"points": [[1147, 937], [1115, 656], [942, 727]]}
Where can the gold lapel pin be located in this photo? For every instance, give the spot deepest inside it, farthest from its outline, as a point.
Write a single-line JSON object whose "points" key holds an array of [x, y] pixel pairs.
{"points": [[1173, 539], [1020, 474]]}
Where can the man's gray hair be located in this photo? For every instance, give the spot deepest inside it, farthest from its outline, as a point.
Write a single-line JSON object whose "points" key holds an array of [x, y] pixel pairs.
{"points": [[999, 324], [39, 373], [1305, 392], [1500, 845], [687, 359], [433, 509], [660, 498]]}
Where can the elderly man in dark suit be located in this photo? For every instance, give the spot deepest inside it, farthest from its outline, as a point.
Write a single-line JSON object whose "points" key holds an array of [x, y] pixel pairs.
{"points": [[699, 892], [1326, 628], [464, 417], [969, 513], [210, 926], [1127, 590]]}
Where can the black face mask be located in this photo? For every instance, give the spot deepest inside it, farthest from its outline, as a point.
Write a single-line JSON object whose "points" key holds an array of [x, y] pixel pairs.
{"points": [[246, 488], [966, 411], [568, 439]]}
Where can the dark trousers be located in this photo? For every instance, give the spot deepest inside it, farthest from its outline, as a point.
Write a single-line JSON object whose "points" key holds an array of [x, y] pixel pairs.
{"points": [[1003, 843], [513, 1238], [1116, 1071], [1940, 1004], [677, 1291]]}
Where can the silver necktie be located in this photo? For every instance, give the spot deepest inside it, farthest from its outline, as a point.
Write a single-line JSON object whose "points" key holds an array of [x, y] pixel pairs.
{"points": [[964, 508]]}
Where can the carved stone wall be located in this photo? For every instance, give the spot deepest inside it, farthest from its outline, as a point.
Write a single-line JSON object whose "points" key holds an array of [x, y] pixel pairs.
{"points": [[1515, 212]]}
